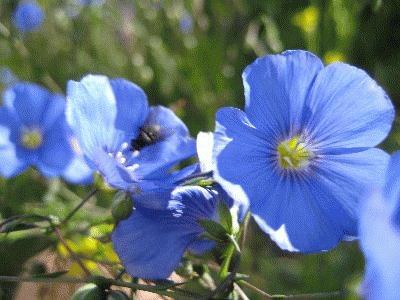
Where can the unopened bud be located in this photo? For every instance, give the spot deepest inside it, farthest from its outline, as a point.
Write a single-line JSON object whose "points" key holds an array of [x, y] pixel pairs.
{"points": [[122, 206], [89, 291]]}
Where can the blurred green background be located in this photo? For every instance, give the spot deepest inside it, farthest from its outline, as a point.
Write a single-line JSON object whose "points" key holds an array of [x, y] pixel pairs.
{"points": [[189, 55]]}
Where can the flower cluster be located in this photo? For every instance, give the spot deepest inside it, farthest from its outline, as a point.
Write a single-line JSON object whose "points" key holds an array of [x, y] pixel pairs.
{"points": [[299, 157]]}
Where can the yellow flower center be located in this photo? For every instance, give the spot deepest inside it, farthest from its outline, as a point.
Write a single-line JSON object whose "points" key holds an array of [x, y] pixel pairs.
{"points": [[293, 154], [31, 139]]}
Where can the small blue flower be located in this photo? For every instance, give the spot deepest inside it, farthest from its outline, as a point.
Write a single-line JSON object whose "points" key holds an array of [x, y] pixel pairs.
{"points": [[28, 16], [186, 23], [33, 131], [132, 145], [380, 236], [301, 152], [92, 2], [151, 242]]}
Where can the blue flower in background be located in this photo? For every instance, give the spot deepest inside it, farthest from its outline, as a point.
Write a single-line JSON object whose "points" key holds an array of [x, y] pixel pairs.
{"points": [[151, 242], [28, 16], [301, 152], [33, 131], [131, 144], [380, 236], [186, 23], [91, 2]]}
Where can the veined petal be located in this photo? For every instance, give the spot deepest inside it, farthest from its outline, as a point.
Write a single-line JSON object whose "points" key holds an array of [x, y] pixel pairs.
{"points": [[237, 141], [347, 109], [158, 158], [151, 242], [276, 87], [318, 209], [132, 107], [91, 112]]}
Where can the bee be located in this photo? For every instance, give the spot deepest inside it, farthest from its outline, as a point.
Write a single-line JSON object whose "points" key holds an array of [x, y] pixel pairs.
{"points": [[148, 135]]}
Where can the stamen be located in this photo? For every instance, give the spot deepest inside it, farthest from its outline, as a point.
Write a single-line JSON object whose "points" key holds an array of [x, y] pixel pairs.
{"points": [[293, 154], [31, 138]]}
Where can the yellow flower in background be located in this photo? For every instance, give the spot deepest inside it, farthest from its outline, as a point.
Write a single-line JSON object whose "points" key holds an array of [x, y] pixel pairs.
{"points": [[307, 19], [333, 56]]}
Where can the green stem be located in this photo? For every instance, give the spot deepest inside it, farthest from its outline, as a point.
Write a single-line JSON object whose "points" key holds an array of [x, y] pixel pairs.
{"points": [[83, 201], [101, 281], [267, 296]]}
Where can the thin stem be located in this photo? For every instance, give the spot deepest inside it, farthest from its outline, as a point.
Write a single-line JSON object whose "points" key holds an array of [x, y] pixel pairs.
{"points": [[84, 200], [267, 296], [71, 253], [263, 294], [96, 280], [41, 279], [239, 290]]}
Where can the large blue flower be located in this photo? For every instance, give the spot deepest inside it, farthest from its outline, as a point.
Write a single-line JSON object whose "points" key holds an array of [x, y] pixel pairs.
{"points": [[33, 131], [151, 242], [133, 146], [28, 16], [380, 236], [301, 152]]}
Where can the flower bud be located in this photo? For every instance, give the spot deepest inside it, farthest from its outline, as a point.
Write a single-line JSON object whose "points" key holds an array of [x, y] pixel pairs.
{"points": [[89, 291], [117, 295], [122, 205]]}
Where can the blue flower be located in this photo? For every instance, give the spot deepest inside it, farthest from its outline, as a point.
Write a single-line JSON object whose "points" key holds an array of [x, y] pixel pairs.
{"points": [[151, 242], [132, 145], [33, 131], [301, 152], [186, 23], [28, 16], [380, 236]]}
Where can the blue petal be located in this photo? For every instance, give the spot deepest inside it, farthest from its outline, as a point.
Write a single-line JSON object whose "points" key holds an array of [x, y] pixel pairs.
{"points": [[55, 108], [114, 174], [91, 112], [392, 184], [11, 165], [151, 242], [380, 242], [29, 101], [240, 153], [28, 16], [132, 107], [347, 109], [55, 153], [314, 211], [276, 87], [78, 172]]}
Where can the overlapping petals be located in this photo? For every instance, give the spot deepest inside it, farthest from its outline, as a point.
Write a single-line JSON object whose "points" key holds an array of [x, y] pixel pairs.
{"points": [[152, 241], [338, 112], [131, 144]]}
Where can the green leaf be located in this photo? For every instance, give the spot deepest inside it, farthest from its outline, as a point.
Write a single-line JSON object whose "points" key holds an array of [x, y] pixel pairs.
{"points": [[215, 230]]}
